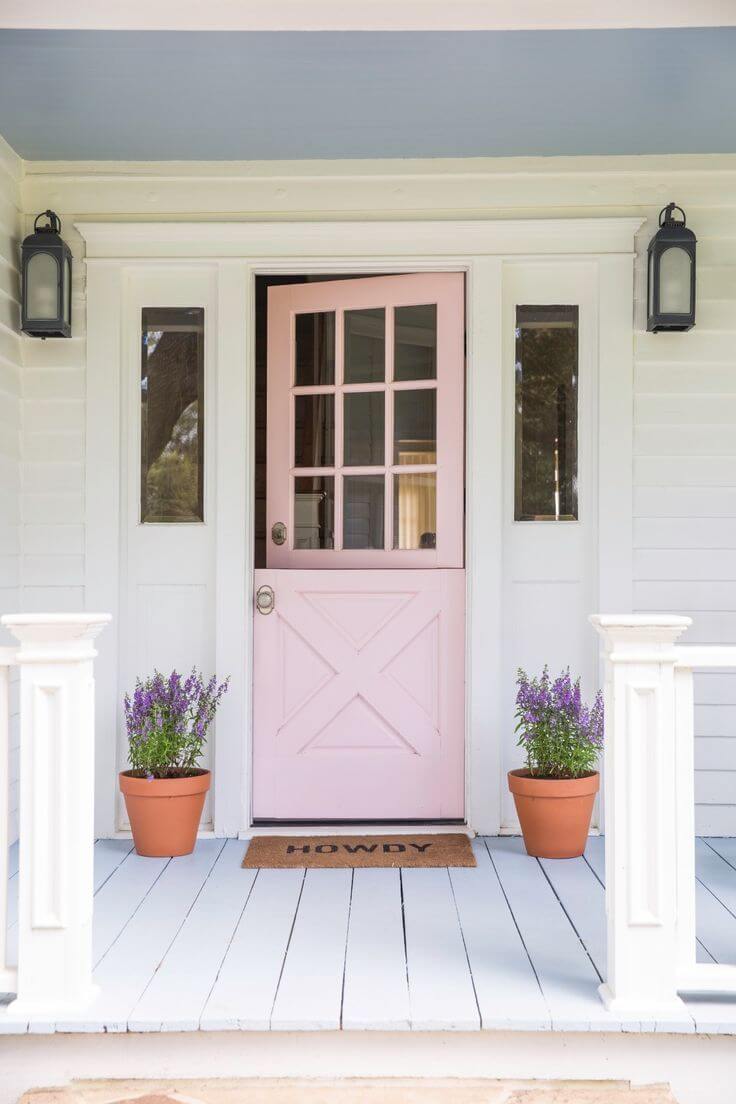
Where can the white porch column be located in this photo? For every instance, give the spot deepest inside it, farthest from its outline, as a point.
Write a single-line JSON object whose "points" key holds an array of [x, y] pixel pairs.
{"points": [[641, 816], [56, 809]]}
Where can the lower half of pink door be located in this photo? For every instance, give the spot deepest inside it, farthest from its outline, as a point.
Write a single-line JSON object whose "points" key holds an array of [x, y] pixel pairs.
{"points": [[359, 696]]}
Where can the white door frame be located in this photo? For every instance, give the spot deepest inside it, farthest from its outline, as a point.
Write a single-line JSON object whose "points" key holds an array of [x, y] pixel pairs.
{"points": [[238, 251]]}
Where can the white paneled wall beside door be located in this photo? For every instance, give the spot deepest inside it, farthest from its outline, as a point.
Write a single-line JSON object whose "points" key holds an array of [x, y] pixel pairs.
{"points": [[168, 485], [550, 480]]}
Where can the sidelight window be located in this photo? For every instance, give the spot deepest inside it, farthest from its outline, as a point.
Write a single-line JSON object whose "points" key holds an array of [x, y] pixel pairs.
{"points": [[172, 412], [546, 417]]}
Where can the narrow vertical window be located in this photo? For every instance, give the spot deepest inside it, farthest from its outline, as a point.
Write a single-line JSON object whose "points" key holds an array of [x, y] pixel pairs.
{"points": [[546, 460], [172, 414]]}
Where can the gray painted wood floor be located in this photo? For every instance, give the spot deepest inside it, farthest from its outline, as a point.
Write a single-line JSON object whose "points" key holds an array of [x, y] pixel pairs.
{"points": [[197, 943]]}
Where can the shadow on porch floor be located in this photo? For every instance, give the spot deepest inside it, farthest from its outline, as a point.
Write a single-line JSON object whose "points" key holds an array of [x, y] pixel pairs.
{"points": [[198, 943]]}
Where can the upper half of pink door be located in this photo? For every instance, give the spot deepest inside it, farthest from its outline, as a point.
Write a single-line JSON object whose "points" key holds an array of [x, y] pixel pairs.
{"points": [[365, 423]]}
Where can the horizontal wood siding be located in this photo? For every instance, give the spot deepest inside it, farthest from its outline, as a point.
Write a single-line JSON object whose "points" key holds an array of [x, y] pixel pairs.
{"points": [[685, 491], [685, 403], [11, 358]]}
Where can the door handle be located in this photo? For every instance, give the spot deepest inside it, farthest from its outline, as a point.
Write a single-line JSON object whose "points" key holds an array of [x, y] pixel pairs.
{"points": [[265, 600]]}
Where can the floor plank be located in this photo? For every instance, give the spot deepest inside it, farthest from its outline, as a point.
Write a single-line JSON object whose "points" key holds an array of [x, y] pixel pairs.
{"points": [[176, 996], [130, 883], [136, 954], [244, 992], [567, 977], [376, 993], [583, 898], [506, 986], [441, 990], [309, 995]]}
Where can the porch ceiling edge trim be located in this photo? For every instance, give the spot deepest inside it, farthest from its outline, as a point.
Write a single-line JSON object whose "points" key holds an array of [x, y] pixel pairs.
{"points": [[360, 15], [328, 239]]}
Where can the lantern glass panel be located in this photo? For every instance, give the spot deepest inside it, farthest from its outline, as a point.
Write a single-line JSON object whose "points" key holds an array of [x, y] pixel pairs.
{"points": [[67, 291], [674, 281], [42, 286]]}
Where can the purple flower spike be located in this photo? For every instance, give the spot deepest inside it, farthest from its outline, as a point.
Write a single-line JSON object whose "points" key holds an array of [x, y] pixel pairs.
{"points": [[561, 736], [167, 720]]}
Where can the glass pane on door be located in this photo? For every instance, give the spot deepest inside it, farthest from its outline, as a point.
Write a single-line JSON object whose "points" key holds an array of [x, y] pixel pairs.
{"points": [[314, 511], [363, 499], [315, 349], [415, 427], [415, 342], [314, 431], [364, 428], [365, 345], [415, 510]]}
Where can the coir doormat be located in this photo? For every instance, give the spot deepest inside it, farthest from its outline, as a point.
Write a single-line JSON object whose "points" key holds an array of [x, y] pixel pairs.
{"points": [[336, 852]]}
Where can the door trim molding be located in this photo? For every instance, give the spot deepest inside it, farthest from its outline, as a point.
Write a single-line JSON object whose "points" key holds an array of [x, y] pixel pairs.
{"points": [[242, 250]]}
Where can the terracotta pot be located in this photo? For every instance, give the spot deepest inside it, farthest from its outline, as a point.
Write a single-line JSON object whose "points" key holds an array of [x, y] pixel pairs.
{"points": [[554, 812], [164, 813]]}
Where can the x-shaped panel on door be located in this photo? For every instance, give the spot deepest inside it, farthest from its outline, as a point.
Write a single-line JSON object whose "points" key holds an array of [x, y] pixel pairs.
{"points": [[377, 666]]}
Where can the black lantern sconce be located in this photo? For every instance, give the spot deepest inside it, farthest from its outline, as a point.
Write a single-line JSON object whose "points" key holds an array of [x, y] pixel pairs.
{"points": [[671, 276], [46, 265]]}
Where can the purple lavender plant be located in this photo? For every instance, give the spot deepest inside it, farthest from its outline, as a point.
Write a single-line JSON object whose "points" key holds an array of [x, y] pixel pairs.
{"points": [[561, 736], [167, 721]]}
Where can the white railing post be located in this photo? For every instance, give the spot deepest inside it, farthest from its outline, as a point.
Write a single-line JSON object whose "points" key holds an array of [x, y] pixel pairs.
{"points": [[641, 816], [56, 809]]}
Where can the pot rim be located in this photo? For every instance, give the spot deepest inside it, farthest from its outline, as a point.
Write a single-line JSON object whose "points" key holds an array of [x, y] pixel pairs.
{"points": [[165, 787], [522, 782]]}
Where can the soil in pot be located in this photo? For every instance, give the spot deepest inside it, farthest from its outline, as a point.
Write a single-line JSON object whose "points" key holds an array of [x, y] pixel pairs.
{"points": [[164, 813], [554, 813]]}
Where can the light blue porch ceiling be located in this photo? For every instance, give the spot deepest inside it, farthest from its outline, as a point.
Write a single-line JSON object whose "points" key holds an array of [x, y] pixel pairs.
{"points": [[120, 95]]}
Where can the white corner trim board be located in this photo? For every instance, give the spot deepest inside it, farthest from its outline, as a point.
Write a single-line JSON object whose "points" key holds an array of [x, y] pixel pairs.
{"points": [[510, 237]]}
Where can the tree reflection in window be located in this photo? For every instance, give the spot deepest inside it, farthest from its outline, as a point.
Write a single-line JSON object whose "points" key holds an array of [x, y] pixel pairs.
{"points": [[172, 412], [546, 477]]}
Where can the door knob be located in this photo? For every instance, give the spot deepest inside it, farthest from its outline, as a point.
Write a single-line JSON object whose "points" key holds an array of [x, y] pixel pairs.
{"points": [[278, 532], [265, 599]]}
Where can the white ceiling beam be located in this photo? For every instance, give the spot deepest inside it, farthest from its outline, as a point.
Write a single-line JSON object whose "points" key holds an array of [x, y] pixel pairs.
{"points": [[364, 15]]}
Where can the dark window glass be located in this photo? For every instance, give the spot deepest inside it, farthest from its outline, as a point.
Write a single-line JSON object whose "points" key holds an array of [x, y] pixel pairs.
{"points": [[364, 428], [314, 511], [415, 427], [315, 349], [172, 414], [546, 469], [365, 345], [415, 342], [314, 431], [363, 497]]}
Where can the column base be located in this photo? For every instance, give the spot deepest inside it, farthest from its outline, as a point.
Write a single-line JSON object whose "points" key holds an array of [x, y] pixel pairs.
{"points": [[667, 1013]]}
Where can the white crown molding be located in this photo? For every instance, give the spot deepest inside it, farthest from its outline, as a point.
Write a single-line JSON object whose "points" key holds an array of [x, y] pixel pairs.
{"points": [[213, 240], [364, 15]]}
